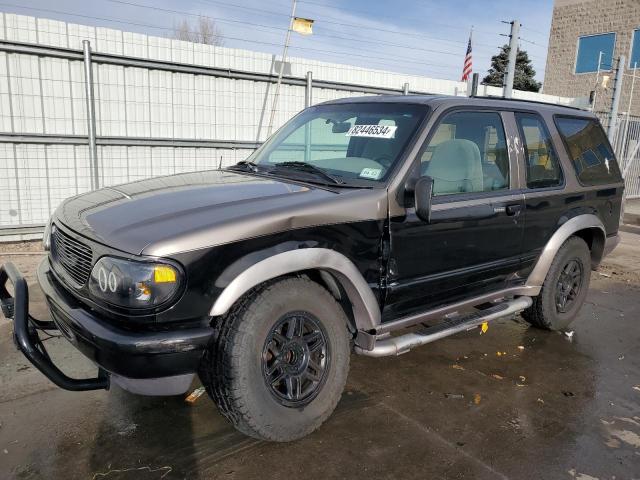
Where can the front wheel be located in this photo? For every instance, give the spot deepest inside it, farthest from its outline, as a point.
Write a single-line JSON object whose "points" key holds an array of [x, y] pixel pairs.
{"points": [[280, 362], [565, 287]]}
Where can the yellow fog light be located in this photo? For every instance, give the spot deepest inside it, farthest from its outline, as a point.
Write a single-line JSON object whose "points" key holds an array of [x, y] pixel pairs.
{"points": [[164, 274]]}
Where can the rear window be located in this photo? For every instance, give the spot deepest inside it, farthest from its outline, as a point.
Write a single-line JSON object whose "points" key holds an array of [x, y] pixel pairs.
{"points": [[590, 151]]}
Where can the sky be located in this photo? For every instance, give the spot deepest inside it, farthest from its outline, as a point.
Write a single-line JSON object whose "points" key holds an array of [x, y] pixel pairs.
{"points": [[421, 37]]}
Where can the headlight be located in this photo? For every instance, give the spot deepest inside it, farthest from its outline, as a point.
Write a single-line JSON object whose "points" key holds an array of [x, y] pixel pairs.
{"points": [[133, 284]]}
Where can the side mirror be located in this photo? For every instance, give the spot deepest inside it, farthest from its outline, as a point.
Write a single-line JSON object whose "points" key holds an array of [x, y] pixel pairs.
{"points": [[423, 194]]}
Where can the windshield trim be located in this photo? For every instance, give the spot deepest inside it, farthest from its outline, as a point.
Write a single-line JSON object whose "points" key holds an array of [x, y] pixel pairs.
{"points": [[301, 180]]}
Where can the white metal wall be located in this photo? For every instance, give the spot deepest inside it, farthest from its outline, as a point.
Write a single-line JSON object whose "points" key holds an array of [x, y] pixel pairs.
{"points": [[46, 95]]}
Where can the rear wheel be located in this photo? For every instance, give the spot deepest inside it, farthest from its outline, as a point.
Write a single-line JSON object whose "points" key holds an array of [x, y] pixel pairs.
{"points": [[280, 362], [564, 289]]}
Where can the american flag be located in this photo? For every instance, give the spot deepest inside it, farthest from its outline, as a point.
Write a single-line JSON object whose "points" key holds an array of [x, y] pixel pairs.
{"points": [[467, 69]]}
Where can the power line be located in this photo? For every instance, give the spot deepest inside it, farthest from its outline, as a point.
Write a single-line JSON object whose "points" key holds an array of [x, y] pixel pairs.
{"points": [[395, 59], [124, 22], [139, 5], [329, 22], [446, 25], [533, 43], [412, 47], [244, 7], [537, 32]]}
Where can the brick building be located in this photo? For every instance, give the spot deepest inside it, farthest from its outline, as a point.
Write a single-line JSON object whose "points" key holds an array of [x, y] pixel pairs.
{"points": [[585, 33]]}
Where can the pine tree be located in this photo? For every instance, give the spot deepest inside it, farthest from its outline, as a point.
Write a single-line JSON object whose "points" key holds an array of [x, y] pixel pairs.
{"points": [[525, 74]]}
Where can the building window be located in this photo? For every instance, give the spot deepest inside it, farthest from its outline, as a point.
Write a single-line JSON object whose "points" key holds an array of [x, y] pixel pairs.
{"points": [[634, 61], [589, 48]]}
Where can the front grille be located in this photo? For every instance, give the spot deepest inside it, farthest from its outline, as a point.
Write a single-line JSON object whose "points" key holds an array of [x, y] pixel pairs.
{"points": [[72, 255]]}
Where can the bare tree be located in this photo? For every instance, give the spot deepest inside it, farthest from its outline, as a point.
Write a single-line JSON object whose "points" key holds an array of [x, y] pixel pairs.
{"points": [[204, 31]]}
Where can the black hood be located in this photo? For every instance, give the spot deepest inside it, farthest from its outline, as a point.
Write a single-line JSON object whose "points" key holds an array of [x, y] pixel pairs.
{"points": [[165, 214]]}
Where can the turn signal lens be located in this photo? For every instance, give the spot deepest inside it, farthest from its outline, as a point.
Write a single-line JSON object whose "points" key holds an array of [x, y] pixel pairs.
{"points": [[164, 274]]}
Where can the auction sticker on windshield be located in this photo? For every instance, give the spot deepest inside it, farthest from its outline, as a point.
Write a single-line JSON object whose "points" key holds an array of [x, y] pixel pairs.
{"points": [[375, 131], [371, 173]]}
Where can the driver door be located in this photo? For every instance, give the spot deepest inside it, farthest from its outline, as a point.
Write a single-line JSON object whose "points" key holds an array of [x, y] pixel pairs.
{"points": [[473, 242]]}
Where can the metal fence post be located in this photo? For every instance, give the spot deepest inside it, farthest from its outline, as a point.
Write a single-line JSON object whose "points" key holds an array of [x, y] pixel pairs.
{"points": [[308, 92], [405, 89], [475, 80], [615, 101], [308, 99], [91, 114]]}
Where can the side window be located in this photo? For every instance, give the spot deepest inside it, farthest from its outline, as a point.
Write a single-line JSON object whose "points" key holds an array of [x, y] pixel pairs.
{"points": [[467, 153], [590, 151], [543, 167]]}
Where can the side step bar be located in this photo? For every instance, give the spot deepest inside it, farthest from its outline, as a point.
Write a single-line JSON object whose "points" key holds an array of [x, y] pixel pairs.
{"points": [[386, 345]]}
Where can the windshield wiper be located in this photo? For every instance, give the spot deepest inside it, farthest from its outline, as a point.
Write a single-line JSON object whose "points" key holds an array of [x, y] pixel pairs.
{"points": [[309, 168]]}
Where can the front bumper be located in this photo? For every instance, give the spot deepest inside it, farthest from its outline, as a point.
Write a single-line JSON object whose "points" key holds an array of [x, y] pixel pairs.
{"points": [[141, 362]]}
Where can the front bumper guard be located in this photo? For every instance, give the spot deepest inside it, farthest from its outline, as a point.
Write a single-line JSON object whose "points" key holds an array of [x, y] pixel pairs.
{"points": [[25, 334]]}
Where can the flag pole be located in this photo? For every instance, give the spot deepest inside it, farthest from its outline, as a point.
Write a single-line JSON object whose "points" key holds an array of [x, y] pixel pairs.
{"points": [[284, 57]]}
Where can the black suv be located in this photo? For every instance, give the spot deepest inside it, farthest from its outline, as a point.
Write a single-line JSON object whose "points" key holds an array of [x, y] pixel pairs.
{"points": [[372, 225]]}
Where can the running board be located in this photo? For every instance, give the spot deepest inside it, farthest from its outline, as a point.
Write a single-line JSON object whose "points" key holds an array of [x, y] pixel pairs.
{"points": [[386, 345]]}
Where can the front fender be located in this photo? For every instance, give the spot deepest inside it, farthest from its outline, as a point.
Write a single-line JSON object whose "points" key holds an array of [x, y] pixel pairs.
{"points": [[365, 305]]}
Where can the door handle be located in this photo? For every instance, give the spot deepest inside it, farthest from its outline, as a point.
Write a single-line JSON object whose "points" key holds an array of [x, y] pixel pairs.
{"points": [[514, 209]]}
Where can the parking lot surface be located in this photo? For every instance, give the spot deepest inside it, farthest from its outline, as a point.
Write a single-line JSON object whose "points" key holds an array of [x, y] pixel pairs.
{"points": [[513, 403]]}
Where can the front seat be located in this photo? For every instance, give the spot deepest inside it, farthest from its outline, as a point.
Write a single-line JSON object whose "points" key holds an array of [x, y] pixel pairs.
{"points": [[456, 167]]}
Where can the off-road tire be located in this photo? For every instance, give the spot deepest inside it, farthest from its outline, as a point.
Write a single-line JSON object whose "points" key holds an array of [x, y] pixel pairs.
{"points": [[544, 313], [232, 371]]}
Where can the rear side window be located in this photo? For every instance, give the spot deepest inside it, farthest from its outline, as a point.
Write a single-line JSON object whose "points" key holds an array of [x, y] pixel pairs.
{"points": [[590, 151], [543, 167]]}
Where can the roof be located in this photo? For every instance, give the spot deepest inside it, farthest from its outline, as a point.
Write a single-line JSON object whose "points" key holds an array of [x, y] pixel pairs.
{"points": [[450, 101]]}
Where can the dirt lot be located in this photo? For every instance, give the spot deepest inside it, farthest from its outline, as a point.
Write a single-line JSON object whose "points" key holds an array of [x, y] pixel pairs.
{"points": [[516, 403]]}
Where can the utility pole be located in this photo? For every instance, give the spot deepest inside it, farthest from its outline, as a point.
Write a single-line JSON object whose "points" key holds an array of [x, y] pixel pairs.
{"points": [[284, 58], [615, 102], [513, 55]]}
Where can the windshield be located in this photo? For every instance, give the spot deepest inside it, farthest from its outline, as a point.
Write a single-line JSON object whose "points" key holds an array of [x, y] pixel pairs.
{"points": [[355, 143]]}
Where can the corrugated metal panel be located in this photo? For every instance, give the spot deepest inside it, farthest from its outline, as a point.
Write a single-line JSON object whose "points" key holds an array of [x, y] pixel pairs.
{"points": [[56, 96], [52, 32], [161, 103], [110, 100], [26, 101], [9, 204], [21, 28], [78, 98], [138, 106], [5, 106], [33, 191]]}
